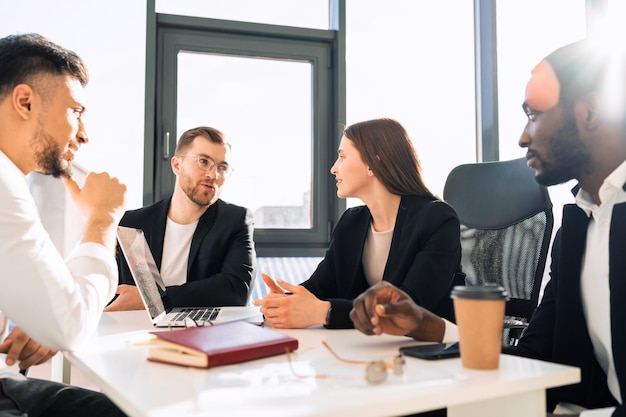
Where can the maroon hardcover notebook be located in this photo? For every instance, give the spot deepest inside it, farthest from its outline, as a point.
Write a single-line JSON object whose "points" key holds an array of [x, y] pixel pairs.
{"points": [[220, 344]]}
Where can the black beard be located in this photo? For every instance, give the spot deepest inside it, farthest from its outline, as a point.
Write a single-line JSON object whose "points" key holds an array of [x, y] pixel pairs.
{"points": [[568, 157]]}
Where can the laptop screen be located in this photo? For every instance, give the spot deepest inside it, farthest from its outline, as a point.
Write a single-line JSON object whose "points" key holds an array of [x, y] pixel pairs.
{"points": [[143, 268]]}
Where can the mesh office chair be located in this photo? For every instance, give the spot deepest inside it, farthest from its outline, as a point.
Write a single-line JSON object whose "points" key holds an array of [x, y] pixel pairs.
{"points": [[506, 226]]}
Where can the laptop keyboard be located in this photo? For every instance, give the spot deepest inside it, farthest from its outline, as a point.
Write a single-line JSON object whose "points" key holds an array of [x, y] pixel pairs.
{"points": [[198, 315]]}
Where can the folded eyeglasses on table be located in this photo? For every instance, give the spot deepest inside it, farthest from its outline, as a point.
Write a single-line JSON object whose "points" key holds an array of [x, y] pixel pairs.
{"points": [[375, 371]]}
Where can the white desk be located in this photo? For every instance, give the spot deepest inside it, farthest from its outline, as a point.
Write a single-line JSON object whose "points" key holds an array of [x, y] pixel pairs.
{"points": [[111, 323], [267, 387]]}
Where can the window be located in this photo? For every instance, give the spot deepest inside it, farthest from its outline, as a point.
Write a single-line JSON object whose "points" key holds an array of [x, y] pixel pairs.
{"points": [[246, 97], [517, 55], [273, 92], [413, 60]]}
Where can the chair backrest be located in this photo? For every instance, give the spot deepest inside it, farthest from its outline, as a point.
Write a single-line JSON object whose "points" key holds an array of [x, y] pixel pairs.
{"points": [[506, 226]]}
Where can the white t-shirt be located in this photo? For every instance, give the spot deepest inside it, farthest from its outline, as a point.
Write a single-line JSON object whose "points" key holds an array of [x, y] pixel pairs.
{"points": [[375, 254], [176, 246]]}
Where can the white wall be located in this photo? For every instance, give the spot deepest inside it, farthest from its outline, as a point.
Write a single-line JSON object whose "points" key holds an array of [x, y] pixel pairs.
{"points": [[110, 36]]}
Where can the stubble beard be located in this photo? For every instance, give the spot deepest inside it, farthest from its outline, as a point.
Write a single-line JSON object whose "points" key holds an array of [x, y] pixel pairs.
{"points": [[197, 194]]}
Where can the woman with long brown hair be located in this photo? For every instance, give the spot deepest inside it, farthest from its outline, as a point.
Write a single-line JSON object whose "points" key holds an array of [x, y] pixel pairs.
{"points": [[403, 234]]}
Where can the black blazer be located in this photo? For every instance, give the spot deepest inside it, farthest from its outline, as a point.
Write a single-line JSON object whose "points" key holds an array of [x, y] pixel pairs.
{"points": [[423, 260], [221, 259], [558, 332]]}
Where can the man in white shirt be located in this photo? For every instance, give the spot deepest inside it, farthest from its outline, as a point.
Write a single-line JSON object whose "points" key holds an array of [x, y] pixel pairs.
{"points": [[55, 303], [576, 107]]}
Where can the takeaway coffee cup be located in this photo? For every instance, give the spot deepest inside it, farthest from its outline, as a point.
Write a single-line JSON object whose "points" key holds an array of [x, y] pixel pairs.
{"points": [[479, 312]]}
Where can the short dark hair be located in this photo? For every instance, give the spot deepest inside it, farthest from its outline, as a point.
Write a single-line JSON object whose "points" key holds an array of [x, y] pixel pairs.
{"points": [[583, 67], [210, 133], [25, 56]]}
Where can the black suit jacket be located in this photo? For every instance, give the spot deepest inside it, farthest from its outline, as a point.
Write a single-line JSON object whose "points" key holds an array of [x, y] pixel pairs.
{"points": [[423, 260], [221, 258], [558, 331]]}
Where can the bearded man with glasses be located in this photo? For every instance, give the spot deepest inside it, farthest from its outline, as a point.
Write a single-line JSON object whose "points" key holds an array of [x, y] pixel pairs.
{"points": [[201, 244]]}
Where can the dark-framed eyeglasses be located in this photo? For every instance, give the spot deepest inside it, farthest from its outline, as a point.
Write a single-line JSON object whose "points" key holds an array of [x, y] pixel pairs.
{"points": [[375, 371], [206, 163]]}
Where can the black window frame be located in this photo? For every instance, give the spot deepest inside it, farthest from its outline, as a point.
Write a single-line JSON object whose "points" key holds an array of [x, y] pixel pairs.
{"points": [[486, 98], [167, 34]]}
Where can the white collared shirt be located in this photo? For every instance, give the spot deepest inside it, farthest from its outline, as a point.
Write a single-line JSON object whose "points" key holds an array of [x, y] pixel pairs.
{"points": [[595, 275], [55, 301]]}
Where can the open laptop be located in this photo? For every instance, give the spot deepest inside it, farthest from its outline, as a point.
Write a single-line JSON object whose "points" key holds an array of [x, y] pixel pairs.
{"points": [[152, 290]]}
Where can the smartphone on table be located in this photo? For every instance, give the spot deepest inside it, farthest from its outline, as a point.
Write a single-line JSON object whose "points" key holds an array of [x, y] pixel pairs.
{"points": [[432, 351]]}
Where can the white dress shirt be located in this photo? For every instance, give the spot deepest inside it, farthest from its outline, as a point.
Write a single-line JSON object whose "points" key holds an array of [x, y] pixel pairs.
{"points": [[595, 276], [55, 301]]}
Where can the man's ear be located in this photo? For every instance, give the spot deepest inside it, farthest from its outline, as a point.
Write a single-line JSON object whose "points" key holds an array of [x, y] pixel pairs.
{"points": [[175, 162], [22, 99], [593, 108]]}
